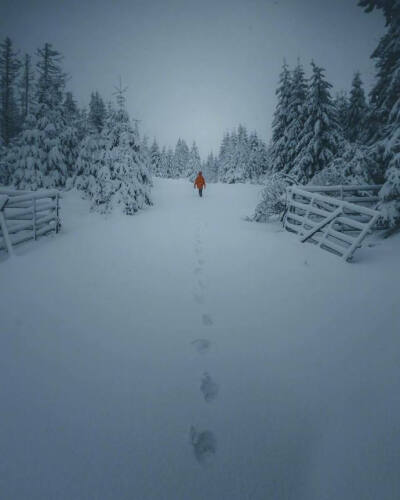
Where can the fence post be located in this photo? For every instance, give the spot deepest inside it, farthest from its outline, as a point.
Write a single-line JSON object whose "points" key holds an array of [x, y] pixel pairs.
{"points": [[3, 225]]}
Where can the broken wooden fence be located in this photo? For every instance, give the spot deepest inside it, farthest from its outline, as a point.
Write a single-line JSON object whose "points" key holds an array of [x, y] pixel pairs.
{"points": [[334, 224], [26, 215]]}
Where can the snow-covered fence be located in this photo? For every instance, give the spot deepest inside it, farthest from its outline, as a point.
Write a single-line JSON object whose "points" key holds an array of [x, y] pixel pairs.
{"points": [[26, 215], [336, 225], [365, 195]]}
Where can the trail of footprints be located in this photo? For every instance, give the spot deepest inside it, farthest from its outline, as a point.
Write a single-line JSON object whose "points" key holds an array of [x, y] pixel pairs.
{"points": [[204, 442]]}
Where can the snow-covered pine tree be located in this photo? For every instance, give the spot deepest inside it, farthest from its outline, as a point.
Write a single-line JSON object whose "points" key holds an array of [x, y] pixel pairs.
{"points": [[279, 148], [235, 166], [37, 154], [24, 156], [384, 118], [224, 156], [320, 138], [97, 111], [9, 113], [69, 136], [357, 111], [257, 161], [194, 165], [295, 118], [26, 87], [124, 179], [210, 168], [144, 148], [181, 159], [155, 159], [170, 164], [163, 162], [341, 103]]}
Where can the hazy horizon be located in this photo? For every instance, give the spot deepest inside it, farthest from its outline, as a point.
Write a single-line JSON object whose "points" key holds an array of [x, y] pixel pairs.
{"points": [[194, 70]]}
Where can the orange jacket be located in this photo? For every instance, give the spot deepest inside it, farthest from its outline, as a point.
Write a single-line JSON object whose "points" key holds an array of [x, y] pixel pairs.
{"points": [[200, 182]]}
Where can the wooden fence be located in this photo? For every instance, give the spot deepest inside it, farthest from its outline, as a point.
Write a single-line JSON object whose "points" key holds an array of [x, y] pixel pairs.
{"points": [[26, 215], [334, 224]]}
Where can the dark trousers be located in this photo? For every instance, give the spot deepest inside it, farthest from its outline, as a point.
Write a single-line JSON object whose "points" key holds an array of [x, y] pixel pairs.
{"points": [[200, 192]]}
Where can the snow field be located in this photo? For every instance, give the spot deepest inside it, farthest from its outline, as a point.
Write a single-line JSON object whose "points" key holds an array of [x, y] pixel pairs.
{"points": [[109, 328]]}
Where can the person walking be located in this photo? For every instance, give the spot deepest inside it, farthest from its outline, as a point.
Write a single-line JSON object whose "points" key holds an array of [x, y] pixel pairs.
{"points": [[200, 183]]}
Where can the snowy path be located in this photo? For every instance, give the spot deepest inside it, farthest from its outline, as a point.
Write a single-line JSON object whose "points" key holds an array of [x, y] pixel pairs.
{"points": [[187, 354]]}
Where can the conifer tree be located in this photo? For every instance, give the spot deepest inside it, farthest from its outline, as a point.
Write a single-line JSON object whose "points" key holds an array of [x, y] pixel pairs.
{"points": [[155, 159], [26, 86], [210, 169], [383, 121], [162, 164], [194, 165], [97, 111], [341, 103], [181, 159], [320, 139], [357, 111], [279, 148], [124, 179], [295, 118], [170, 164], [257, 161], [69, 136], [9, 113]]}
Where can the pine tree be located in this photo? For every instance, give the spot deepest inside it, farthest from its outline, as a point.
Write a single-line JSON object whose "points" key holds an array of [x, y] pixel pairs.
{"points": [[320, 139], [26, 86], [170, 164], [234, 157], [9, 113], [295, 118], [69, 136], [210, 169], [341, 103], [155, 159], [384, 118], [257, 162], [163, 162], [194, 164], [279, 148], [181, 159], [224, 157], [357, 111], [124, 178], [97, 111]]}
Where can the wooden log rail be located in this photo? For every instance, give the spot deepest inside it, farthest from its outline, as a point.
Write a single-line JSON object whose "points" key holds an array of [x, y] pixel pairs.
{"points": [[336, 225], [366, 194], [27, 215]]}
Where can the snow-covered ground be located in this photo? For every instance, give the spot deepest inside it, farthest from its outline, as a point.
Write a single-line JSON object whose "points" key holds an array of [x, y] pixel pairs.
{"points": [[184, 353]]}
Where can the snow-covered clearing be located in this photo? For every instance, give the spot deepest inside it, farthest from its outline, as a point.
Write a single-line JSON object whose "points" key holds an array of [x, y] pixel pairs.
{"points": [[184, 353]]}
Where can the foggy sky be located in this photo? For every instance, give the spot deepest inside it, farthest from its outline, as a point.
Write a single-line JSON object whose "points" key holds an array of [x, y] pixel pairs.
{"points": [[195, 68]]}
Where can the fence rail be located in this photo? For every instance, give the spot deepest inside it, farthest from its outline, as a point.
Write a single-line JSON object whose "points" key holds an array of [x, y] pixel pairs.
{"points": [[336, 225], [26, 215]]}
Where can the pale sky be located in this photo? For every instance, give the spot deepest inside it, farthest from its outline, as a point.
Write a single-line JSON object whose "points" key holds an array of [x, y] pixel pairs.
{"points": [[195, 68]]}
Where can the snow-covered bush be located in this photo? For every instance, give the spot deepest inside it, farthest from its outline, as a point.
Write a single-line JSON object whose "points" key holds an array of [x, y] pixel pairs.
{"points": [[273, 198]]}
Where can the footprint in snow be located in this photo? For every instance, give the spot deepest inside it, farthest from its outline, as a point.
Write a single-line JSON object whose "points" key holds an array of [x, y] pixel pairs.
{"points": [[201, 262], [204, 444], [200, 284], [209, 388], [202, 345], [198, 270], [207, 320]]}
